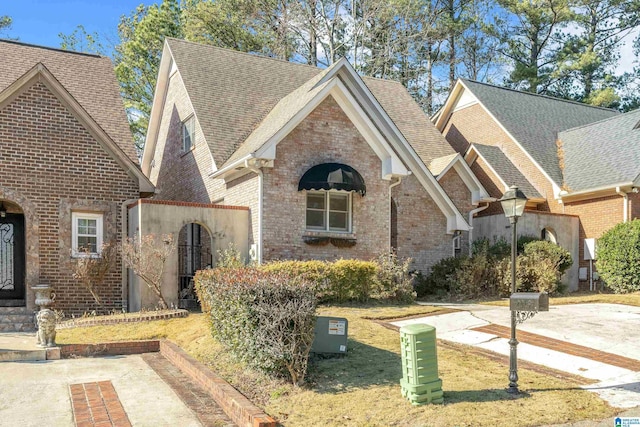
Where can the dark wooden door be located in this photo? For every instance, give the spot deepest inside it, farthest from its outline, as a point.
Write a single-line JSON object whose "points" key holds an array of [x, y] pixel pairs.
{"points": [[12, 257]]}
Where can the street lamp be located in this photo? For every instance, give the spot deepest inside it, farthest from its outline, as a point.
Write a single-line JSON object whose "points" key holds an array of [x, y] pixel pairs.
{"points": [[513, 202]]}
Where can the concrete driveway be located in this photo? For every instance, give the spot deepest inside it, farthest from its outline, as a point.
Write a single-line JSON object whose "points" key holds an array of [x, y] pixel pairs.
{"points": [[595, 341]]}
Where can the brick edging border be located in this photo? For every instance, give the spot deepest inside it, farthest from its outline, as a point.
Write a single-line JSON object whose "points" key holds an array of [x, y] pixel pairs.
{"points": [[235, 405], [87, 322]]}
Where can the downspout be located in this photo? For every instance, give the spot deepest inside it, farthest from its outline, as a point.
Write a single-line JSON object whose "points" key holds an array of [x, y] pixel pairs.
{"points": [[472, 212], [258, 171], [625, 207], [390, 210], [124, 273]]}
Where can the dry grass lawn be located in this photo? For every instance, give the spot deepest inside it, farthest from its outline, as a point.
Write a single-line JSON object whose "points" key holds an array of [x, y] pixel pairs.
{"points": [[584, 298], [362, 389]]}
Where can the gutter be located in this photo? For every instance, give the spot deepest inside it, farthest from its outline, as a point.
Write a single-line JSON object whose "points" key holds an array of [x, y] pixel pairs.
{"points": [[240, 162], [471, 214], [625, 206], [124, 271], [566, 195], [390, 188], [258, 171]]}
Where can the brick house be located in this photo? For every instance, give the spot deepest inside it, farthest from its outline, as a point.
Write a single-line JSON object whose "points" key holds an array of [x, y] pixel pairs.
{"points": [[330, 164], [68, 166], [572, 161]]}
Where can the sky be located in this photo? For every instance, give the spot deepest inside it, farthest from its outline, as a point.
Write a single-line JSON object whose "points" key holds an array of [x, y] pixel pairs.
{"points": [[40, 21]]}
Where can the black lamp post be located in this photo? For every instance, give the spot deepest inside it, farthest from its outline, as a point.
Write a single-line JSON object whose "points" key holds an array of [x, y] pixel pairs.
{"points": [[513, 202]]}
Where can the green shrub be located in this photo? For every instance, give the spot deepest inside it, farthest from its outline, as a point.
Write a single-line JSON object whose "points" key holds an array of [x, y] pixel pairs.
{"points": [[265, 319], [618, 260], [394, 282], [351, 280], [442, 279], [487, 273]]}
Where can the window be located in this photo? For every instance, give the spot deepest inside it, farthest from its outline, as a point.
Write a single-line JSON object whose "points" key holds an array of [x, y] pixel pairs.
{"points": [[86, 233], [329, 211], [188, 128]]}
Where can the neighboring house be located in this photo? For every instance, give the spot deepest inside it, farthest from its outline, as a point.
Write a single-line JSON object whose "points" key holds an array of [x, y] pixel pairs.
{"points": [[67, 165], [570, 159], [331, 165]]}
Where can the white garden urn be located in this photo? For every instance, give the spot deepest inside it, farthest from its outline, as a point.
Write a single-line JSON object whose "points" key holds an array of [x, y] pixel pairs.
{"points": [[44, 296]]}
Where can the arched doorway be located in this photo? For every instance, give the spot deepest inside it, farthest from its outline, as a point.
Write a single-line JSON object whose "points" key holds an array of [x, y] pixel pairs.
{"points": [[549, 235], [194, 253], [12, 254]]}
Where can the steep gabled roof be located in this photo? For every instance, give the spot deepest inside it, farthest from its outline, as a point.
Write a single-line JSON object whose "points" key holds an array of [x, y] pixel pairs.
{"points": [[88, 78], [505, 169], [535, 120], [233, 92], [245, 104], [602, 153]]}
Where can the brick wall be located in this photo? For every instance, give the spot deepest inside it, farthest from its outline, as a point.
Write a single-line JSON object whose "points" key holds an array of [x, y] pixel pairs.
{"points": [[180, 175], [596, 217], [49, 158], [473, 125], [326, 135], [460, 194], [421, 226]]}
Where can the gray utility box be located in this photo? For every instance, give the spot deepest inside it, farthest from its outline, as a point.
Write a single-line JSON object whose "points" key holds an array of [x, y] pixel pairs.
{"points": [[529, 301], [330, 335]]}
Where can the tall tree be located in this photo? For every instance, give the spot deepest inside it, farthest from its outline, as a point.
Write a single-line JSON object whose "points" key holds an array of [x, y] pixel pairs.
{"points": [[80, 40], [5, 23], [230, 24], [590, 55], [137, 58], [531, 36], [479, 55]]}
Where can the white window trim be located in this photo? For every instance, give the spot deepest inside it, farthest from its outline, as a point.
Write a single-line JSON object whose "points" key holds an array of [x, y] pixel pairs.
{"points": [[327, 210], [192, 122], [75, 216]]}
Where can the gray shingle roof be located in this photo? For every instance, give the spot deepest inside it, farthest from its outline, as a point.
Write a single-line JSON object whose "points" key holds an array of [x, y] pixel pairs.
{"points": [[602, 153], [234, 92], [509, 173], [535, 120], [88, 78]]}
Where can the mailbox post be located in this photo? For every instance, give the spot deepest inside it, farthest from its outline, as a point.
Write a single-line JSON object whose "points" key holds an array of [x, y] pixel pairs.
{"points": [[513, 202]]}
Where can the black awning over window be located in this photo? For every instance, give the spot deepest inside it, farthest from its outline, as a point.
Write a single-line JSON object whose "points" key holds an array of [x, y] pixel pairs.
{"points": [[332, 176]]}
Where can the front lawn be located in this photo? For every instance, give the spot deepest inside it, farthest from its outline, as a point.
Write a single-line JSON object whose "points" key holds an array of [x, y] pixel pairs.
{"points": [[583, 298], [363, 388]]}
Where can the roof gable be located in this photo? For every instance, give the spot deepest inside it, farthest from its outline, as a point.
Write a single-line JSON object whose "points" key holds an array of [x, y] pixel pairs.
{"points": [[89, 79], [605, 153], [535, 120], [241, 100], [40, 73], [503, 168]]}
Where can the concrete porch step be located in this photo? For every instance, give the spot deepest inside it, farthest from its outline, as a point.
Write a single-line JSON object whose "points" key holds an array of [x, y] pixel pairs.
{"points": [[21, 346], [16, 319]]}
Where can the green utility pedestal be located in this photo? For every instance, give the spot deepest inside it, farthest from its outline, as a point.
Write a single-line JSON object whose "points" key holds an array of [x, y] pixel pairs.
{"points": [[420, 383]]}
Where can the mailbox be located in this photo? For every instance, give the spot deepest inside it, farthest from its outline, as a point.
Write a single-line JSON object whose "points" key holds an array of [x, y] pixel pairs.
{"points": [[529, 301]]}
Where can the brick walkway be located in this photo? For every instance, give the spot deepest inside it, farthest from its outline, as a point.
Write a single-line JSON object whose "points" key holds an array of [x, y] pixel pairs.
{"points": [[97, 405], [198, 400], [563, 347]]}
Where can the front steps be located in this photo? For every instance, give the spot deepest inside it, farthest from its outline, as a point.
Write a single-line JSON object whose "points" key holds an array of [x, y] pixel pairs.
{"points": [[16, 319]]}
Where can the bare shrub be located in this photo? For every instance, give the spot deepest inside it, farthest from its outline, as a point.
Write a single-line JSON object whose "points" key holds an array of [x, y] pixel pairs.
{"points": [[147, 257], [91, 269]]}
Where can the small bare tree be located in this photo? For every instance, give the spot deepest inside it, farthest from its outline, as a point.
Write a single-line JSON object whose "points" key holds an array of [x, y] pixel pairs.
{"points": [[91, 269], [147, 258]]}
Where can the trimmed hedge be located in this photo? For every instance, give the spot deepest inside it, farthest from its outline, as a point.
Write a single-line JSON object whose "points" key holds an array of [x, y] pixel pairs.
{"points": [[618, 260], [347, 280], [265, 319]]}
